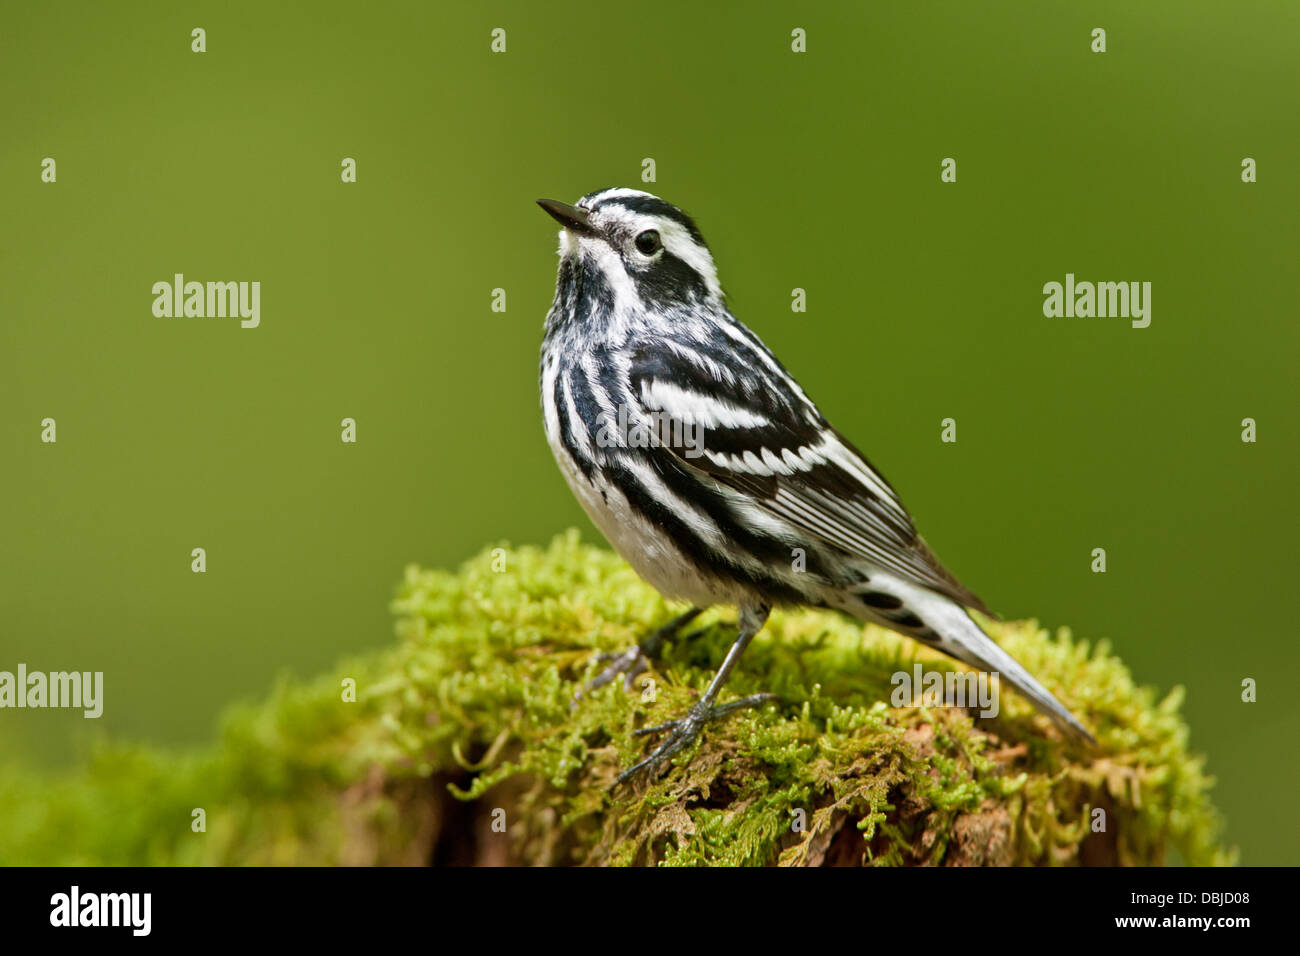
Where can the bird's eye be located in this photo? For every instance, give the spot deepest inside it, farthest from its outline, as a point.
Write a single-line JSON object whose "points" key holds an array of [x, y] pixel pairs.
{"points": [[648, 242]]}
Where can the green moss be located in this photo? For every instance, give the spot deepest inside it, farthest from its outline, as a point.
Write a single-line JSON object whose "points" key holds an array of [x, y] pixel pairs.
{"points": [[471, 712]]}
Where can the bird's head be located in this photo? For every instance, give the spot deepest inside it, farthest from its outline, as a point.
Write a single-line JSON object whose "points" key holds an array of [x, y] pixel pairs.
{"points": [[645, 251]]}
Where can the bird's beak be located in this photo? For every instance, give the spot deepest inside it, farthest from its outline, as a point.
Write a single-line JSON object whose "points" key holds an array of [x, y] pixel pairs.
{"points": [[570, 217]]}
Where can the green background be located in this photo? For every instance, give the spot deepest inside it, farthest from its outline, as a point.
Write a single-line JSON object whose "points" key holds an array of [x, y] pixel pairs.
{"points": [[818, 170]]}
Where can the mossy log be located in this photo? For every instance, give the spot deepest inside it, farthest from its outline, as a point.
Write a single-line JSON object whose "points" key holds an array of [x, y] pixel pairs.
{"points": [[462, 745]]}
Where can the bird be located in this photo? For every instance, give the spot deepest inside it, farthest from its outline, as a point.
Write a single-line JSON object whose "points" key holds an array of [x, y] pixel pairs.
{"points": [[710, 470]]}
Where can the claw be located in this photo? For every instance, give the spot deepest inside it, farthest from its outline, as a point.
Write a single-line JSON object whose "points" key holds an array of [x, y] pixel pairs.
{"points": [[635, 661], [632, 663], [683, 731]]}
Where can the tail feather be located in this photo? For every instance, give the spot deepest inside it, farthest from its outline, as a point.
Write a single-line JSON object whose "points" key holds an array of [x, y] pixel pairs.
{"points": [[968, 643], [945, 625]]}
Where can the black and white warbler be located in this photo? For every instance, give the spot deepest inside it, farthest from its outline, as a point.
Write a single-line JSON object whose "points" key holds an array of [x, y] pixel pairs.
{"points": [[710, 471]]}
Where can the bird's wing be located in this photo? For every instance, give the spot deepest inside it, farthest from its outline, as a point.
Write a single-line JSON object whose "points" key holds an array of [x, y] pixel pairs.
{"points": [[753, 430]]}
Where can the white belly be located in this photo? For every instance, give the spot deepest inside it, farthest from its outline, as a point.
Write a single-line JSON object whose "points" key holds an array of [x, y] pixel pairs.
{"points": [[643, 545]]}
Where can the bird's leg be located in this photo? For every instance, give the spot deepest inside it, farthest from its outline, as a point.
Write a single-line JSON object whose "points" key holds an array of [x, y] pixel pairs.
{"points": [[633, 662], [684, 730]]}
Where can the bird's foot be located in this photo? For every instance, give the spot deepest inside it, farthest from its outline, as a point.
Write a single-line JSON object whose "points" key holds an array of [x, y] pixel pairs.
{"points": [[683, 731], [634, 662], [631, 664]]}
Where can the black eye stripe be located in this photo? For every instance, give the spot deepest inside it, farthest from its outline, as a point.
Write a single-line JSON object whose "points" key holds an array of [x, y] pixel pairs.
{"points": [[668, 281], [653, 206]]}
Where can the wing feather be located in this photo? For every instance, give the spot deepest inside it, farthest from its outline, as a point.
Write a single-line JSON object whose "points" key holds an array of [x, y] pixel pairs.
{"points": [[758, 434]]}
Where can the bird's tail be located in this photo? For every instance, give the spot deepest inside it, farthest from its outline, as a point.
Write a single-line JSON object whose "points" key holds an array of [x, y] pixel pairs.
{"points": [[968, 643], [947, 627]]}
